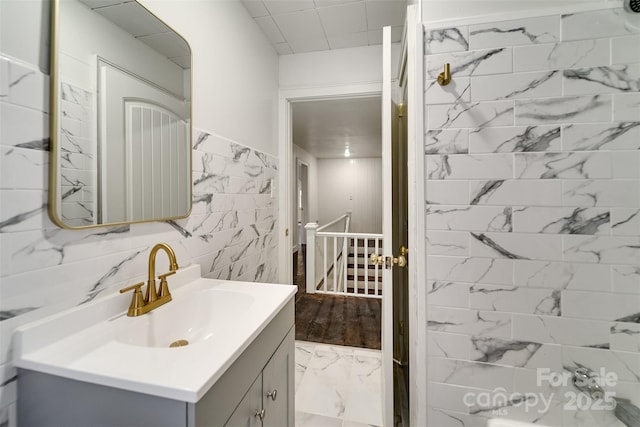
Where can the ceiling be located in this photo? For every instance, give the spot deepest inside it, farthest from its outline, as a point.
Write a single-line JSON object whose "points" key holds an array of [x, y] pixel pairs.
{"points": [[326, 128], [298, 26], [144, 26]]}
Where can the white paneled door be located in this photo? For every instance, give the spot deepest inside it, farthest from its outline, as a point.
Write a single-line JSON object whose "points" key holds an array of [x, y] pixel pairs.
{"points": [[387, 231]]}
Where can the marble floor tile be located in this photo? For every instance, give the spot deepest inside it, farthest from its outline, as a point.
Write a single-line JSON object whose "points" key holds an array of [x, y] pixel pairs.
{"points": [[337, 383]]}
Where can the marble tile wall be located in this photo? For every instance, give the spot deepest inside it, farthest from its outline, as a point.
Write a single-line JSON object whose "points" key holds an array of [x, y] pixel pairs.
{"points": [[44, 269], [78, 157], [533, 216]]}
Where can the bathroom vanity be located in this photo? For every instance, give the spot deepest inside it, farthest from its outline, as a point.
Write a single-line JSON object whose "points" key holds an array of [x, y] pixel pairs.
{"points": [[93, 365]]}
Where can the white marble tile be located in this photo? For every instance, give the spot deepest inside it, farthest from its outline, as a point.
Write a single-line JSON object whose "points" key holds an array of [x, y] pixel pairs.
{"points": [[4, 79], [469, 374], [28, 87], [364, 401], [561, 220], [458, 90], [626, 278], [614, 193], [516, 192], [23, 168], [537, 30], [626, 107], [512, 299], [514, 139], [562, 275], [469, 166], [304, 419], [24, 127], [594, 24], [574, 165], [560, 330], [624, 50], [599, 305], [448, 294], [516, 353], [23, 210], [576, 417], [447, 396], [460, 269], [625, 337], [516, 246], [470, 115], [601, 136], [446, 141], [559, 56], [602, 249], [476, 63], [540, 84], [445, 344], [615, 78], [447, 192], [625, 164], [443, 40], [469, 218], [303, 353], [471, 322], [447, 418], [576, 109], [625, 365], [325, 385], [448, 243]]}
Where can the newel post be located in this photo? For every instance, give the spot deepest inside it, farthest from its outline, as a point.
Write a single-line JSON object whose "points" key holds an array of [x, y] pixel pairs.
{"points": [[311, 228]]}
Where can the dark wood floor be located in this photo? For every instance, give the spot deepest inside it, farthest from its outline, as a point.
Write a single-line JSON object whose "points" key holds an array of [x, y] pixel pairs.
{"points": [[330, 319]]}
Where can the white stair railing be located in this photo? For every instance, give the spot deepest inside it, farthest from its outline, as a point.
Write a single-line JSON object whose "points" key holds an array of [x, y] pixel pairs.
{"points": [[338, 261]]}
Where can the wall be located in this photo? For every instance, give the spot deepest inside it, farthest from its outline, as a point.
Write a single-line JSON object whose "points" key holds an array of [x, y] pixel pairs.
{"points": [[351, 184], [533, 215], [334, 67], [312, 178], [44, 269]]}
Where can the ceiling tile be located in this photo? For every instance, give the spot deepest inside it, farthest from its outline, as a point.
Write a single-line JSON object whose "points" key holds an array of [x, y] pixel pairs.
{"points": [[375, 36], [343, 19], [381, 13], [342, 41], [133, 18], [300, 25], [283, 48], [328, 3], [308, 45], [255, 8], [278, 7], [270, 29]]}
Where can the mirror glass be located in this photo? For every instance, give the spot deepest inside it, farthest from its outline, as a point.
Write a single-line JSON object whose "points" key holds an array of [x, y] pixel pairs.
{"points": [[121, 116]]}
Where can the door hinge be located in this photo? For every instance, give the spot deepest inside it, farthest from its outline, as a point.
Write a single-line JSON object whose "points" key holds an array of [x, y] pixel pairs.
{"points": [[286, 232], [400, 110], [401, 327]]}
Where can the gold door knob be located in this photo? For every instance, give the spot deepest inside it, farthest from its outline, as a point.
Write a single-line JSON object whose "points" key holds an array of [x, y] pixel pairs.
{"points": [[376, 259], [400, 261]]}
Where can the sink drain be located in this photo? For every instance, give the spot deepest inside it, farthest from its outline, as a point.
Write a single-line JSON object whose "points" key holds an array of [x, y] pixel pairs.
{"points": [[179, 343]]}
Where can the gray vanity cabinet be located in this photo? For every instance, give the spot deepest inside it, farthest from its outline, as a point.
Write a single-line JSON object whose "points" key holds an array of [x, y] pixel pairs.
{"points": [[241, 392], [269, 400]]}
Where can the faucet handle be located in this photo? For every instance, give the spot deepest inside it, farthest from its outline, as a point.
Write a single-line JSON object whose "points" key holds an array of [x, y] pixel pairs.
{"points": [[137, 302], [164, 286]]}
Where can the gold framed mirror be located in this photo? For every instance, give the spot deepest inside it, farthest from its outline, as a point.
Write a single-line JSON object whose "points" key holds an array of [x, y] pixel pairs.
{"points": [[120, 116]]}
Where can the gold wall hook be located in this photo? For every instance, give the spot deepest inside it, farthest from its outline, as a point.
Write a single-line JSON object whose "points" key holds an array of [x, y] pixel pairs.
{"points": [[444, 78]]}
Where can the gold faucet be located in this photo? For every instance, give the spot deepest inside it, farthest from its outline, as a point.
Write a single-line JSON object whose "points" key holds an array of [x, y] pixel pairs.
{"points": [[141, 305]]}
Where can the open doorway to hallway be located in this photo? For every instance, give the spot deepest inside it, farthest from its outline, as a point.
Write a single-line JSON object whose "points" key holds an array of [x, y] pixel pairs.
{"points": [[336, 157]]}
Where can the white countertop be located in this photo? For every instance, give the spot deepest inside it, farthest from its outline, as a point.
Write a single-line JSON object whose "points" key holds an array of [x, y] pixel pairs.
{"points": [[85, 343]]}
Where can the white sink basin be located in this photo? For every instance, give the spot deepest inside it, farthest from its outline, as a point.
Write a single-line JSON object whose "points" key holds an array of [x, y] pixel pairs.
{"points": [[97, 343], [504, 422], [200, 316]]}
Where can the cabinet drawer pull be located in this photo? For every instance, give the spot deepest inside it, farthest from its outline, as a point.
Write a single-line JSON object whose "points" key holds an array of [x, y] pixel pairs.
{"points": [[273, 394], [260, 414]]}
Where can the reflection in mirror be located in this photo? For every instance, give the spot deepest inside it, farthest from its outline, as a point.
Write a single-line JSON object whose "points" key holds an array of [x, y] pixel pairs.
{"points": [[121, 116]]}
